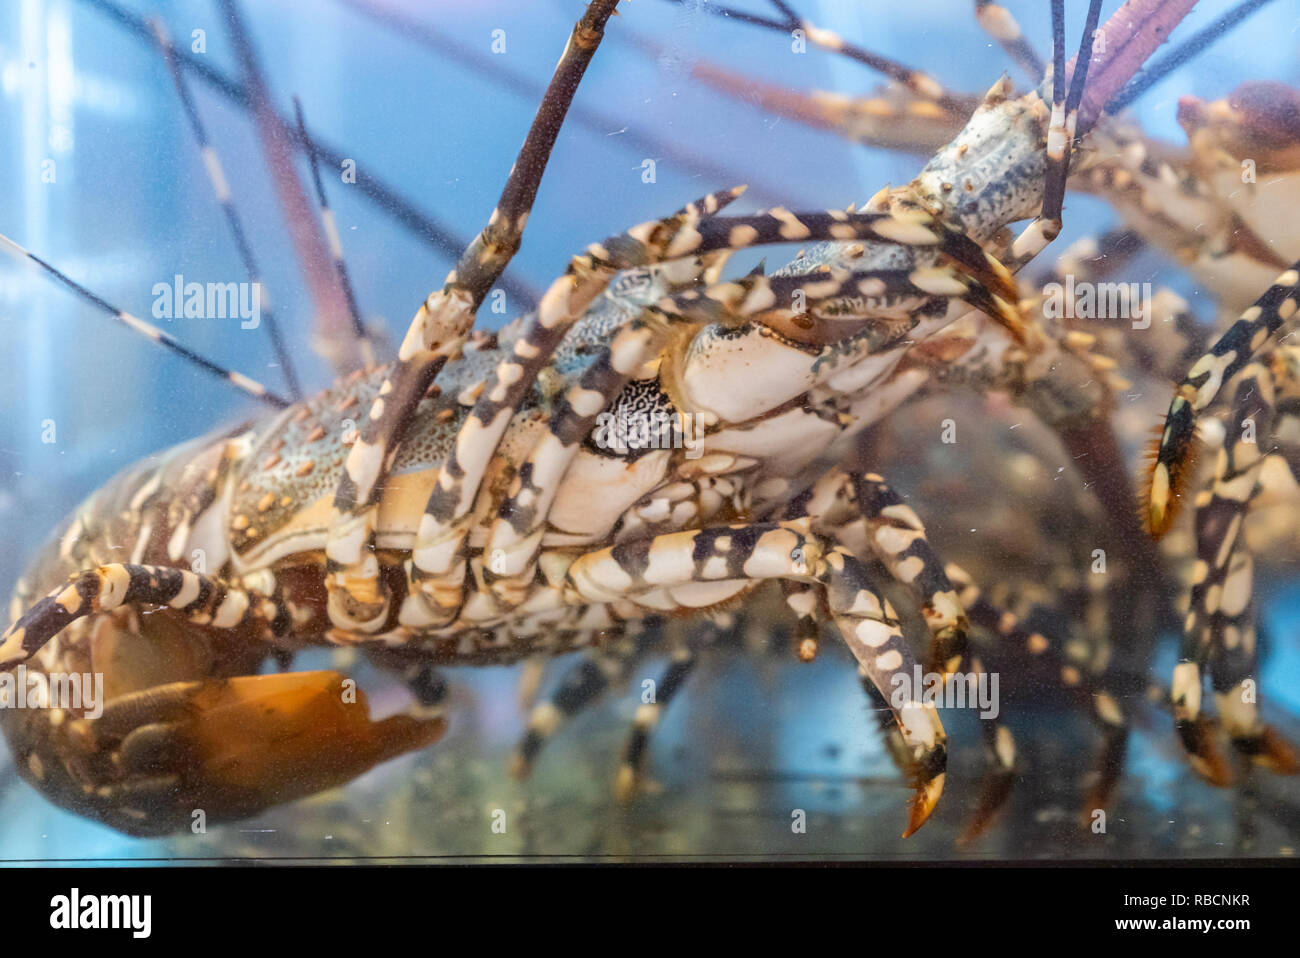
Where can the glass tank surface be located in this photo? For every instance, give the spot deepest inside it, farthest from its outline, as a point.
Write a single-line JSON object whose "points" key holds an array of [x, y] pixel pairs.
{"points": [[417, 448]]}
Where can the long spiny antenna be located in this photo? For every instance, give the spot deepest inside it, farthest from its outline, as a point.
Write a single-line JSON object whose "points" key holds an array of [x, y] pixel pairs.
{"points": [[148, 330], [333, 337], [221, 187], [386, 197], [335, 244], [919, 83]]}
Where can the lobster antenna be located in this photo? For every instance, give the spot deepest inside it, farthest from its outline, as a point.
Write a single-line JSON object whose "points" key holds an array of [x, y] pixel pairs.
{"points": [[221, 188], [917, 82], [335, 243], [923, 85], [1182, 53], [388, 199], [148, 330], [334, 339]]}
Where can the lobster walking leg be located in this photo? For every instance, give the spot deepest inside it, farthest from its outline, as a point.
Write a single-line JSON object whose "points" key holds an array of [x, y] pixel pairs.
{"points": [[896, 536], [730, 557], [201, 599], [1061, 132], [680, 666], [221, 188], [1229, 355], [889, 529], [1220, 627], [580, 686], [1107, 712]]}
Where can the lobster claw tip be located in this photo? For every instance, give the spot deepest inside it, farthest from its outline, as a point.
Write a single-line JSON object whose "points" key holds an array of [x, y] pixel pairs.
{"points": [[923, 802]]}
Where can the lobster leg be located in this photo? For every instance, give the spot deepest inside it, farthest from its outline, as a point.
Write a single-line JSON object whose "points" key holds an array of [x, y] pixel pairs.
{"points": [[201, 599], [581, 685], [1000, 775], [682, 663], [1060, 134], [589, 678], [1230, 354], [1220, 626], [889, 530], [149, 331], [722, 560], [917, 83], [358, 599], [892, 118], [220, 187], [999, 743], [896, 536]]}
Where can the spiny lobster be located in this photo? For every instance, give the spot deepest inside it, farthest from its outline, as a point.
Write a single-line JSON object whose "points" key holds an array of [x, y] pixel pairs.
{"points": [[474, 519]]}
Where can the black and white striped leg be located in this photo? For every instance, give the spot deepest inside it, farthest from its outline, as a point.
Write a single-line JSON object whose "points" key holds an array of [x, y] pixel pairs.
{"points": [[149, 331], [221, 188], [891, 531], [683, 658], [898, 538], [582, 685], [1175, 452], [201, 599], [1060, 133], [710, 565], [1220, 629]]}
